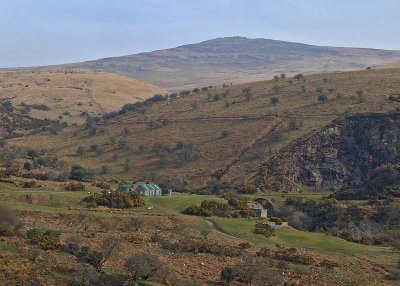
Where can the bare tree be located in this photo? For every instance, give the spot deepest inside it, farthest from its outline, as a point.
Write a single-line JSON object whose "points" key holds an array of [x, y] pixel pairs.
{"points": [[247, 92], [275, 88], [298, 76], [274, 100], [142, 266], [109, 247]]}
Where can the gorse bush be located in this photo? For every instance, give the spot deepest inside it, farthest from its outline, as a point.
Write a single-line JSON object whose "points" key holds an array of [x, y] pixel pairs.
{"points": [[114, 199], [264, 229], [47, 239], [74, 187], [234, 208], [288, 254]]}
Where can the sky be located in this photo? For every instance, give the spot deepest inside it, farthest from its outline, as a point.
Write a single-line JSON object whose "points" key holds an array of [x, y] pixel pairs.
{"points": [[43, 32]]}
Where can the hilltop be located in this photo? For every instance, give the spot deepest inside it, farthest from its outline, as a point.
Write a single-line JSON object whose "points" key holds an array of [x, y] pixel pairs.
{"points": [[226, 133], [233, 60], [69, 96]]}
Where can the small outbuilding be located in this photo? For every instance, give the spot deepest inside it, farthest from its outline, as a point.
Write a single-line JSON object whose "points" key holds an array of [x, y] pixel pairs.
{"points": [[124, 188], [259, 210], [167, 192]]}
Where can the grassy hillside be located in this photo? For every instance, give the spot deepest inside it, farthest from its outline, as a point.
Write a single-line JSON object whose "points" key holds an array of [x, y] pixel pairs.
{"points": [[48, 207], [229, 135], [234, 59], [394, 65], [69, 94]]}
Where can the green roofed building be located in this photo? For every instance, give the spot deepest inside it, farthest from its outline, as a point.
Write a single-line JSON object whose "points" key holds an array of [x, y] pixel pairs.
{"points": [[124, 188], [148, 189], [145, 189]]}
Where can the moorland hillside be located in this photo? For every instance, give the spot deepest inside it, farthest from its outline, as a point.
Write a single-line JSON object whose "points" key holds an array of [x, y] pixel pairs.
{"points": [[224, 134], [66, 96]]}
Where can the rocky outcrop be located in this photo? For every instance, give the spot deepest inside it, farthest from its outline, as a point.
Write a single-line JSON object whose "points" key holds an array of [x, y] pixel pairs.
{"points": [[339, 156]]}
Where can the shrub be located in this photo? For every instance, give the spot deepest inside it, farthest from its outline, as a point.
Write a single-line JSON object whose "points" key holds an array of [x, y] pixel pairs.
{"points": [[47, 242], [136, 223], [225, 133], [294, 124], [216, 208], [298, 76], [8, 106], [300, 220], [6, 230], [143, 266], [8, 222], [78, 173], [228, 274], [141, 149], [256, 271], [29, 184], [74, 187], [288, 254], [46, 239], [103, 185], [215, 186], [80, 151], [322, 98], [394, 275], [114, 199], [276, 220], [248, 189], [92, 257], [109, 247], [264, 229], [72, 245], [198, 246], [62, 177], [196, 210], [244, 245], [33, 234], [330, 264], [396, 244], [28, 166]]}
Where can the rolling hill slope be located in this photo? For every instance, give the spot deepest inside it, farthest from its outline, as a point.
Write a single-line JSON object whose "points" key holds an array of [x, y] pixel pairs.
{"points": [[223, 133], [234, 59], [69, 94]]}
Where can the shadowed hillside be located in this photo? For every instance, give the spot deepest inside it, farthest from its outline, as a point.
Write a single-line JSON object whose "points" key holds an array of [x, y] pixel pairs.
{"points": [[234, 59]]}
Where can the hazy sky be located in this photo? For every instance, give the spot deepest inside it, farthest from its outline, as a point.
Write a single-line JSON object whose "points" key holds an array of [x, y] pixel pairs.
{"points": [[41, 32]]}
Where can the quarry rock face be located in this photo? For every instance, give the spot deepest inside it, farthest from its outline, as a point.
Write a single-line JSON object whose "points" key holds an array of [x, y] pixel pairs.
{"points": [[340, 156]]}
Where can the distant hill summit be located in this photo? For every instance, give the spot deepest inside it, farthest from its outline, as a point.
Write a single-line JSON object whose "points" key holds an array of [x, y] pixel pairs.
{"points": [[234, 59]]}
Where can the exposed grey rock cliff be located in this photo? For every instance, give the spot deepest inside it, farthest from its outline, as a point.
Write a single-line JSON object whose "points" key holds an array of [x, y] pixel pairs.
{"points": [[339, 156]]}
